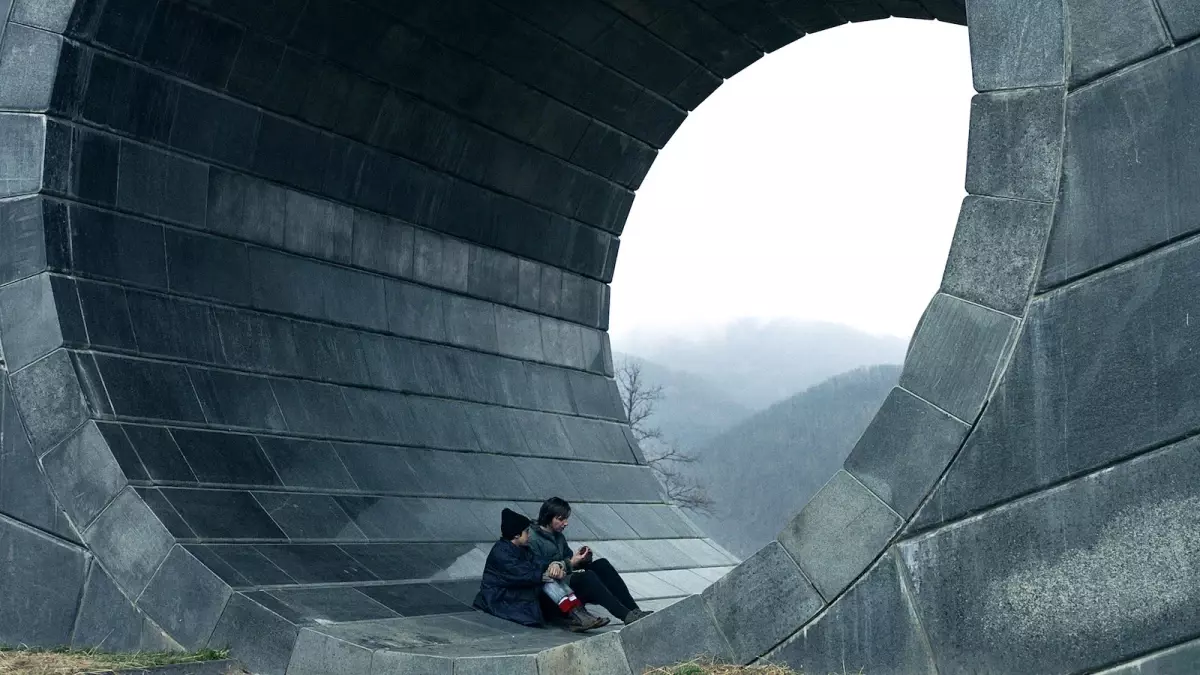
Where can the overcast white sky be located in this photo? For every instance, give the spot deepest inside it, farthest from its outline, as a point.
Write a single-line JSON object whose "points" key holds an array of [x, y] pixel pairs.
{"points": [[821, 183]]}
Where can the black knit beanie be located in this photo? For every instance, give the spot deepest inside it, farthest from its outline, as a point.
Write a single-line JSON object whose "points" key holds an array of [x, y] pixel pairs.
{"points": [[512, 523]]}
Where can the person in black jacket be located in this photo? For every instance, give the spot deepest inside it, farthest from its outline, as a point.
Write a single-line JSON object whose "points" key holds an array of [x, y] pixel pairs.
{"points": [[595, 580], [513, 578]]}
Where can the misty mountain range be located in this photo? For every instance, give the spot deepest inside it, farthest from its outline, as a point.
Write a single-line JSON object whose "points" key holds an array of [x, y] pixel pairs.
{"points": [[770, 409], [757, 363]]}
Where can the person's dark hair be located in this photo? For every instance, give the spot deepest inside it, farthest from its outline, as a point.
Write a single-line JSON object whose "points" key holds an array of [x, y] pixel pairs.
{"points": [[552, 508]]}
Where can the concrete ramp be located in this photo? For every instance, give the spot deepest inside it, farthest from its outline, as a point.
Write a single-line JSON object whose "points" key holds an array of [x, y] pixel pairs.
{"points": [[297, 295]]}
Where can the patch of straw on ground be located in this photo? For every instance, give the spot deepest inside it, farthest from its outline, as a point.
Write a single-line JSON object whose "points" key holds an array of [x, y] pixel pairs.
{"points": [[710, 667], [21, 661]]}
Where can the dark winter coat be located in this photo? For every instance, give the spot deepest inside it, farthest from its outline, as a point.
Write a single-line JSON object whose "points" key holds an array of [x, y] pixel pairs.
{"points": [[512, 579], [548, 547]]}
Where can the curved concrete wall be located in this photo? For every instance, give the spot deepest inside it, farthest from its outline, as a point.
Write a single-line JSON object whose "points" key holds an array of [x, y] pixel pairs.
{"points": [[296, 295]]}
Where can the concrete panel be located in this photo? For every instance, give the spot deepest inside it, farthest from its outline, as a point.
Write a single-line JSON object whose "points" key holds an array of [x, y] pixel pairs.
{"points": [[1180, 660], [262, 639], [871, 629], [596, 655], [679, 633], [955, 355], [1098, 44], [838, 533], [735, 602], [1015, 143], [40, 586], [995, 253], [1183, 18], [185, 598], [1093, 572], [1088, 366], [1016, 43], [904, 450], [1127, 167], [84, 474], [130, 540]]}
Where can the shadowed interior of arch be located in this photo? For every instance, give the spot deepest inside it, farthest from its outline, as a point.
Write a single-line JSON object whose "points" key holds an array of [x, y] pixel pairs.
{"points": [[296, 296]]}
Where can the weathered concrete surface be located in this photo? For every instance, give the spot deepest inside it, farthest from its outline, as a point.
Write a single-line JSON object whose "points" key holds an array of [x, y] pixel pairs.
{"points": [[293, 300]]}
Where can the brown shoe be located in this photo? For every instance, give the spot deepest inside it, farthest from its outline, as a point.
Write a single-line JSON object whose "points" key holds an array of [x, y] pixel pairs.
{"points": [[634, 615], [581, 620]]}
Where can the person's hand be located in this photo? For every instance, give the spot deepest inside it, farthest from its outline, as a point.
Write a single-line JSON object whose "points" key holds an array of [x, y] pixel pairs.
{"points": [[585, 552], [556, 571], [579, 558]]}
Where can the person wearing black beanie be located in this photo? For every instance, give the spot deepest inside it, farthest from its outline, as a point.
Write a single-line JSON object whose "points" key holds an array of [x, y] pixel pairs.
{"points": [[513, 578]]}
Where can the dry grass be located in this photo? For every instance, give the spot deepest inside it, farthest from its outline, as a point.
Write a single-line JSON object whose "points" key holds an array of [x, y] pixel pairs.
{"points": [[709, 667], [20, 661]]}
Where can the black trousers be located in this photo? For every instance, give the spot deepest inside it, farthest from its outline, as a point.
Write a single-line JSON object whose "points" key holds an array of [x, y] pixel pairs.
{"points": [[599, 584]]}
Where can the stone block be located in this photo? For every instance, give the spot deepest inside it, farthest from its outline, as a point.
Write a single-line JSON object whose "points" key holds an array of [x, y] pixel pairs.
{"points": [[501, 664], [470, 323], [29, 321], [1099, 45], [208, 267], [383, 244], [24, 492], [1089, 365], [130, 540], [679, 633], [159, 453], [1015, 143], [415, 311], [956, 354], [84, 473], [904, 450], [40, 586], [599, 655], [519, 334], [1094, 572], [155, 184], [871, 629], [768, 578], [222, 514], [308, 516], [398, 663], [319, 654], [106, 310], [838, 533], [236, 400], [118, 247], [185, 598], [28, 63], [52, 16], [551, 388], [1016, 43], [35, 237], [995, 252], [303, 463], [317, 227], [1127, 167], [22, 138], [213, 127], [257, 636], [107, 619], [48, 394], [1183, 18], [149, 389], [1180, 660]]}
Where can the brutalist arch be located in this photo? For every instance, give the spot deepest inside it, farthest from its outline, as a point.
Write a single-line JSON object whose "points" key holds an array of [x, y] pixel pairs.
{"points": [[297, 294]]}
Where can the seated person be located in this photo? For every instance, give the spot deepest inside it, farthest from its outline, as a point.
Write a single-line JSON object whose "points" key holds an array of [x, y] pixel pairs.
{"points": [[513, 577], [594, 581]]}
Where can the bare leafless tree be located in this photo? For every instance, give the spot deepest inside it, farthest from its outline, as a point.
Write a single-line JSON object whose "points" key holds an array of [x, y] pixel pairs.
{"points": [[663, 456]]}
